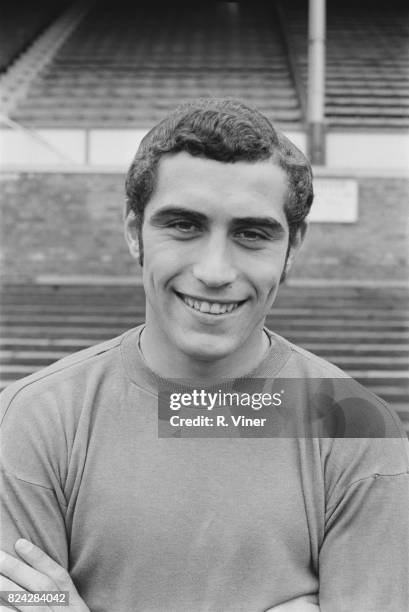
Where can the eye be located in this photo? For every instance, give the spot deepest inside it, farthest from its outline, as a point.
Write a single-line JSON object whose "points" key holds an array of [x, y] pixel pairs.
{"points": [[186, 227], [251, 235]]}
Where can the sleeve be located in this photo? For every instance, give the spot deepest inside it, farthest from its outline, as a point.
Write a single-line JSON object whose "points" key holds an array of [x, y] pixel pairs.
{"points": [[32, 501], [364, 556]]}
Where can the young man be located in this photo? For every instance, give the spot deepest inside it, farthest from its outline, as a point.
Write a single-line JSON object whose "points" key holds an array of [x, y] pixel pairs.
{"points": [[151, 516]]}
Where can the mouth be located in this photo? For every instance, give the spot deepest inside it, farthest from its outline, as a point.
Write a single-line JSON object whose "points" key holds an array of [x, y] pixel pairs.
{"points": [[210, 307]]}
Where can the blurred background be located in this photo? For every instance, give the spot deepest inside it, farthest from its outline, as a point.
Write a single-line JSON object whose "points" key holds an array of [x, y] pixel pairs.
{"points": [[82, 82]]}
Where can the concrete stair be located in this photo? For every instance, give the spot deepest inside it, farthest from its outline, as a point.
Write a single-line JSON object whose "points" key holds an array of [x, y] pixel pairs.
{"points": [[16, 80]]}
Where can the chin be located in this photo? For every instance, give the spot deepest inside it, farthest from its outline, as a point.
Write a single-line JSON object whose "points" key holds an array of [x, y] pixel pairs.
{"points": [[209, 350]]}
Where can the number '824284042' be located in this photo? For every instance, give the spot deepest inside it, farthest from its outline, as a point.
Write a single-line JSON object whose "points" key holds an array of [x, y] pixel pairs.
{"points": [[35, 598]]}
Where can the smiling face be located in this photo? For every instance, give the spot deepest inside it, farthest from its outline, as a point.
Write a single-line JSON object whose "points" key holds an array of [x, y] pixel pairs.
{"points": [[215, 240]]}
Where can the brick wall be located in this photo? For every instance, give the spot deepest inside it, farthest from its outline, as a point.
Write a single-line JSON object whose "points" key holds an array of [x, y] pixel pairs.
{"points": [[72, 224], [376, 247]]}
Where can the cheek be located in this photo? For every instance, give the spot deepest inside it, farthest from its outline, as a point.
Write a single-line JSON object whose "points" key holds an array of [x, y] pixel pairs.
{"points": [[163, 261], [272, 293], [265, 272], [161, 245]]}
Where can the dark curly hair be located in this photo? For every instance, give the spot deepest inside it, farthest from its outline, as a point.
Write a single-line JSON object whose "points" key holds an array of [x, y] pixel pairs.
{"points": [[226, 130]]}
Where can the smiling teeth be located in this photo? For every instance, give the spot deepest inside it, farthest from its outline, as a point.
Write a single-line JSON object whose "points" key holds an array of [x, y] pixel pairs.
{"points": [[213, 308]]}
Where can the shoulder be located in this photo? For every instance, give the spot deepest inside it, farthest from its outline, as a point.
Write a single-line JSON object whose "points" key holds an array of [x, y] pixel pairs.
{"points": [[359, 435], [70, 376], [43, 416], [304, 363], [337, 400]]}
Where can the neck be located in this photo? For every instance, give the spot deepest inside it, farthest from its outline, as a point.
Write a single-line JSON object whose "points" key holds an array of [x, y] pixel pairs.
{"points": [[171, 363]]}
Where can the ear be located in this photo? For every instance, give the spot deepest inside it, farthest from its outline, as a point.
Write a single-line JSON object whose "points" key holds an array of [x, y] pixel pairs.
{"points": [[132, 234], [293, 249]]}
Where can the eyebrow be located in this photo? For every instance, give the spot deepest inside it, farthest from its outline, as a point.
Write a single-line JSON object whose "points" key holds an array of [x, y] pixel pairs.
{"points": [[268, 223], [168, 212]]}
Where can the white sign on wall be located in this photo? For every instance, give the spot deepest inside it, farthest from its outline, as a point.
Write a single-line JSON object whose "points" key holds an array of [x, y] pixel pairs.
{"points": [[335, 201]]}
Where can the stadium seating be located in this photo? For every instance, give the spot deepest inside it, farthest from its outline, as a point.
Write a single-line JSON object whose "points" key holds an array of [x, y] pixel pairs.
{"points": [[20, 23], [367, 71], [126, 64]]}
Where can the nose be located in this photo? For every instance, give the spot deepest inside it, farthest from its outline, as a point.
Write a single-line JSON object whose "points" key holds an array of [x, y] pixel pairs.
{"points": [[214, 266]]}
